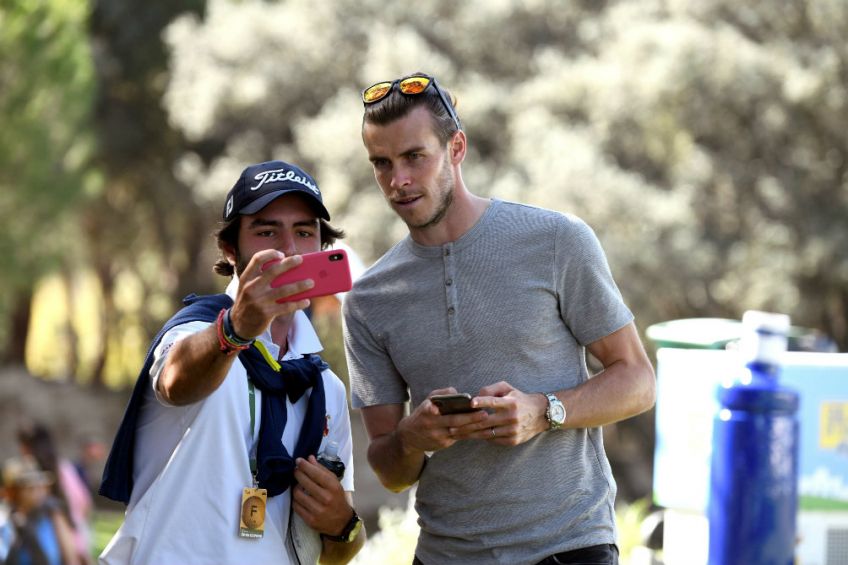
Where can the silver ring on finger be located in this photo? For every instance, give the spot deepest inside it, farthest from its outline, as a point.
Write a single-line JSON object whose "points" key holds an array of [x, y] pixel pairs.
{"points": [[493, 432]]}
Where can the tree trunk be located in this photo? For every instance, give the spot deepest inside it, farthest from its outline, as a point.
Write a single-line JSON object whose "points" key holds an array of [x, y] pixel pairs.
{"points": [[72, 359], [19, 327], [107, 322]]}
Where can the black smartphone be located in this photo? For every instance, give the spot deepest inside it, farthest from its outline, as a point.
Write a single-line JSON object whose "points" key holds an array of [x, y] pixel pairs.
{"points": [[453, 403]]}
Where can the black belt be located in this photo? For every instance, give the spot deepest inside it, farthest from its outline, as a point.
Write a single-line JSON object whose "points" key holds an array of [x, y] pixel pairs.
{"points": [[604, 554]]}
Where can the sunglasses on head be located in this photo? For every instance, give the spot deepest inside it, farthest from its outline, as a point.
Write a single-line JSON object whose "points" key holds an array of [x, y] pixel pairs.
{"points": [[410, 86]]}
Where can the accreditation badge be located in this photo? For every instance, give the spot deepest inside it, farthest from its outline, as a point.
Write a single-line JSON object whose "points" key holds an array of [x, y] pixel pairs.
{"points": [[252, 520]]}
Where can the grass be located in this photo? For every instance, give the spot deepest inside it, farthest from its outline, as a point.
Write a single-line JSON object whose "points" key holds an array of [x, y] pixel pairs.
{"points": [[104, 524], [826, 504]]}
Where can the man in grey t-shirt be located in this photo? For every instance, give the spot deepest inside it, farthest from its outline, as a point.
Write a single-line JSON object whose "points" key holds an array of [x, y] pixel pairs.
{"points": [[499, 300]]}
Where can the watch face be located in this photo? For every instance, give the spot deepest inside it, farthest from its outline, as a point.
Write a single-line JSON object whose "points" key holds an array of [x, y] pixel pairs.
{"points": [[354, 531], [558, 413]]}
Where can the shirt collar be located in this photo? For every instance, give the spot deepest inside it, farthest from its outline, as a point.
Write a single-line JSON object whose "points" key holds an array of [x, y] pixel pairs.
{"points": [[302, 338]]}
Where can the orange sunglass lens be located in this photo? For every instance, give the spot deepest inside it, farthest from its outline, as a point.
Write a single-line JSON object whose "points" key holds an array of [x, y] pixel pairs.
{"points": [[414, 85], [376, 92]]}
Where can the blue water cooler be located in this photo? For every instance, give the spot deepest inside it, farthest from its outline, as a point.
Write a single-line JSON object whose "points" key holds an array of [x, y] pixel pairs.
{"points": [[754, 470]]}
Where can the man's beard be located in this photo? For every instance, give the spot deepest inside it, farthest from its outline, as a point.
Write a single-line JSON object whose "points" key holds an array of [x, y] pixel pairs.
{"points": [[241, 264], [445, 184]]}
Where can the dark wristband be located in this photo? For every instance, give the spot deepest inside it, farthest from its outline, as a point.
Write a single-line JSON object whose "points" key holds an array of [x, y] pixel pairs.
{"points": [[350, 531], [230, 333], [227, 347]]}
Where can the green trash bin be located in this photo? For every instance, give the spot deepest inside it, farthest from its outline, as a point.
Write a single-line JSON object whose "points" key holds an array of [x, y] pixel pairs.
{"points": [[716, 333], [695, 333]]}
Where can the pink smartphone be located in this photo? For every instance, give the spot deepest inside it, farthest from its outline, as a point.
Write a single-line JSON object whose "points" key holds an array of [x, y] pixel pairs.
{"points": [[329, 269]]}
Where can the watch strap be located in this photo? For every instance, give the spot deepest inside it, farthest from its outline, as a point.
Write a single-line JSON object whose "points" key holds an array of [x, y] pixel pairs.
{"points": [[553, 401], [350, 527]]}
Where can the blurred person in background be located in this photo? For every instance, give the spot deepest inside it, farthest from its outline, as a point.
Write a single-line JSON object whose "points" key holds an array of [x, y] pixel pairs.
{"points": [[36, 441], [500, 300], [233, 404], [37, 531], [90, 460]]}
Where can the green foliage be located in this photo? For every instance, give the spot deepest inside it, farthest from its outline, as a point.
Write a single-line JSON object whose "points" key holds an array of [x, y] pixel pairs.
{"points": [[817, 503], [104, 524], [329, 330], [46, 85], [702, 140]]}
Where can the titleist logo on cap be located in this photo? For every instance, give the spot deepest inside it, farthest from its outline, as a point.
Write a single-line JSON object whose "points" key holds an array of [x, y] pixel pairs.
{"points": [[278, 175]]}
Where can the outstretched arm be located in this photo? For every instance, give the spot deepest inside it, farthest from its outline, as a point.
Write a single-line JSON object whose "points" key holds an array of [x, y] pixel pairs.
{"points": [[196, 366]]}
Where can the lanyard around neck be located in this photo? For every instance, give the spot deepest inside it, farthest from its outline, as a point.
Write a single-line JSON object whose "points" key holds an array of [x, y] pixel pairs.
{"points": [[252, 400]]}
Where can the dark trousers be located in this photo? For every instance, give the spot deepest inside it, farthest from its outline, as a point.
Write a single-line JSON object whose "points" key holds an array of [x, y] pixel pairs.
{"points": [[606, 554]]}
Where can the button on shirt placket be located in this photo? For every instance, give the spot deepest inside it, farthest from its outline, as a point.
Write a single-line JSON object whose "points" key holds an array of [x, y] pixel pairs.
{"points": [[451, 303]]}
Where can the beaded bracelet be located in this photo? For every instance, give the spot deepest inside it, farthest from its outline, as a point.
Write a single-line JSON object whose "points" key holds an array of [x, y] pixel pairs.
{"points": [[224, 341]]}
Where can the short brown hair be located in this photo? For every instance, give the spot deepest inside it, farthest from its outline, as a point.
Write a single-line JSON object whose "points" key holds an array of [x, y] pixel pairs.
{"points": [[396, 105]]}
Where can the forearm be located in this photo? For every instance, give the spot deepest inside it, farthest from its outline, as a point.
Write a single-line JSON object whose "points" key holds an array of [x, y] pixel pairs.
{"points": [[623, 389], [195, 368], [318, 499], [395, 463], [620, 391]]}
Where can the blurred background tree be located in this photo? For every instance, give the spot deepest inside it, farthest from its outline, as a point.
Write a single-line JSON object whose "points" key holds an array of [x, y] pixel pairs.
{"points": [[46, 87], [143, 226], [703, 140]]}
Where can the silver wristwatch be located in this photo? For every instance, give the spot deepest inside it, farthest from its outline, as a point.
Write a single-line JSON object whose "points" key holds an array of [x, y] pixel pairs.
{"points": [[555, 412]]}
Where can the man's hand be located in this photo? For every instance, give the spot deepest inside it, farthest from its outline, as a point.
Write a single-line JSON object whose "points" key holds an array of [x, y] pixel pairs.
{"points": [[399, 443], [319, 498], [426, 429], [256, 303], [514, 416]]}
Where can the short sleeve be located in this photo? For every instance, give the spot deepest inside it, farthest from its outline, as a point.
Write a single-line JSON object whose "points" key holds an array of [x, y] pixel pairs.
{"points": [[160, 354], [338, 425], [374, 379], [590, 302]]}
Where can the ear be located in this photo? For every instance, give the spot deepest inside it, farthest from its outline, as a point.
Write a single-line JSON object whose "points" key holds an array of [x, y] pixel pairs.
{"points": [[457, 147], [229, 253]]}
